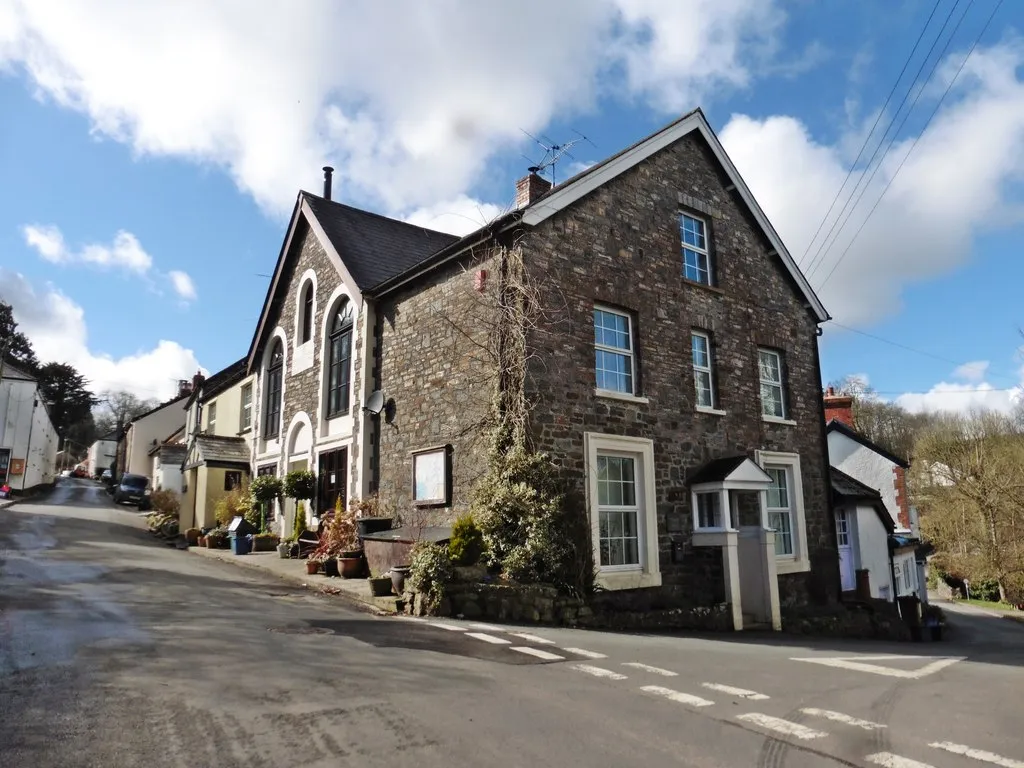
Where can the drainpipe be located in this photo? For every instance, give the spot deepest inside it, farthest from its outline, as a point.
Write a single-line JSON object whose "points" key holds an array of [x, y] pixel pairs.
{"points": [[28, 448]]}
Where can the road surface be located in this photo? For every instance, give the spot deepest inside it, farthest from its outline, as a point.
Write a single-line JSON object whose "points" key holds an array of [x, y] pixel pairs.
{"points": [[116, 650]]}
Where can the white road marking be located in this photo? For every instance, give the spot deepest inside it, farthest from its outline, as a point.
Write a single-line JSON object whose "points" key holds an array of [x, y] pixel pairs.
{"points": [[449, 627], [977, 754], [743, 693], [489, 638], [676, 696], [487, 627], [889, 760], [532, 638], [599, 672], [584, 652], [854, 664], [839, 717], [649, 668], [538, 653], [779, 725]]}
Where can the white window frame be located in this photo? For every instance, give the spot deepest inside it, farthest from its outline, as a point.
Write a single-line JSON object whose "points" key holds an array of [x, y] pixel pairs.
{"points": [[702, 253], [245, 409], [709, 370], [302, 352], [721, 498], [211, 417], [786, 511], [631, 354], [641, 450], [635, 508], [799, 561], [780, 385]]}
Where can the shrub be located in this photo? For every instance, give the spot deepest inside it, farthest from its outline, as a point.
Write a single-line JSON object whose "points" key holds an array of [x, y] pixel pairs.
{"points": [[300, 484], [986, 589], [266, 488], [232, 504], [339, 534], [430, 571], [466, 544], [165, 501], [299, 525], [533, 528]]}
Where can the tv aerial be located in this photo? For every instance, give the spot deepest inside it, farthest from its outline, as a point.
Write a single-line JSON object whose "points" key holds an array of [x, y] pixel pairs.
{"points": [[554, 152]]}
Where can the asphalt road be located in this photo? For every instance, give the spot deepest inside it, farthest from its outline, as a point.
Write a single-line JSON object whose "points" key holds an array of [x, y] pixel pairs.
{"points": [[116, 650]]}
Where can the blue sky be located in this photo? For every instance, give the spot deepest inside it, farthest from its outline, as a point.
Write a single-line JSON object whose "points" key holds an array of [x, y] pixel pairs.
{"points": [[150, 157]]}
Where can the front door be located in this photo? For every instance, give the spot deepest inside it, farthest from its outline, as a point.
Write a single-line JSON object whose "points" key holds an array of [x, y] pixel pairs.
{"points": [[332, 478], [845, 551]]}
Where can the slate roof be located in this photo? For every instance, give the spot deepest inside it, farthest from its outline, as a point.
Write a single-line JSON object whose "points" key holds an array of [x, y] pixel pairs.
{"points": [[716, 470], [834, 425], [846, 488], [374, 248], [219, 381], [12, 371], [220, 449], [170, 454]]}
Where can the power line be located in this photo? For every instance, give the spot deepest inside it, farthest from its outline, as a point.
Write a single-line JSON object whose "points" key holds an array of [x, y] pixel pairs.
{"points": [[867, 138], [914, 143], [826, 246]]}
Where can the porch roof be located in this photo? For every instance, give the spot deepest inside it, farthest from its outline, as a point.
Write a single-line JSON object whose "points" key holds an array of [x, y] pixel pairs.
{"points": [[219, 449], [731, 472]]}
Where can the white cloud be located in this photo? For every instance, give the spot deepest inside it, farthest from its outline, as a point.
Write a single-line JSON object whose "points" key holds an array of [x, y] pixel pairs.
{"points": [[974, 371], [57, 329], [946, 396], [182, 284], [124, 251], [407, 100], [975, 146], [458, 217]]}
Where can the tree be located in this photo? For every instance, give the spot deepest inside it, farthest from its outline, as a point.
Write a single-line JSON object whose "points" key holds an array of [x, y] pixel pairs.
{"points": [[14, 345], [886, 424], [117, 408], [970, 478], [70, 402]]}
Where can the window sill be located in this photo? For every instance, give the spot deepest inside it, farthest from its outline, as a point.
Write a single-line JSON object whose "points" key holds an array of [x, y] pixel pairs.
{"points": [[612, 395], [777, 420], [245, 431], [710, 411], [786, 564], [616, 580], [713, 288]]}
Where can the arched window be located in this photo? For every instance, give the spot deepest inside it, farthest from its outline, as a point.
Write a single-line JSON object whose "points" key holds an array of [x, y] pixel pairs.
{"points": [[272, 409], [306, 313], [339, 360]]}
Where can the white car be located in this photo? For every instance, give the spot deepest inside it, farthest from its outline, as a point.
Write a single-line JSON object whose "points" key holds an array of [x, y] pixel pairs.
{"points": [[66, 473]]}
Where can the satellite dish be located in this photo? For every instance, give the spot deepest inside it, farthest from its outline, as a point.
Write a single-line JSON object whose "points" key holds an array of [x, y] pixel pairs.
{"points": [[375, 402]]}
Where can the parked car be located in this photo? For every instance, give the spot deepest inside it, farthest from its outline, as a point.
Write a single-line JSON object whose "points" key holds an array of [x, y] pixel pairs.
{"points": [[133, 489], [65, 473], [78, 472], [105, 476]]}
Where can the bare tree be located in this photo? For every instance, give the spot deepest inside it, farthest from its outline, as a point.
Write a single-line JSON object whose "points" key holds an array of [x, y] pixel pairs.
{"points": [[116, 409]]}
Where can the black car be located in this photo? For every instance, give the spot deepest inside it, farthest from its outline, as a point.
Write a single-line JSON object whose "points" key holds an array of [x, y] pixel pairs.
{"points": [[133, 489]]}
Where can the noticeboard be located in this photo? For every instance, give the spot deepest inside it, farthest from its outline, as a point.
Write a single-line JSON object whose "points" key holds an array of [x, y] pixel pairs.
{"points": [[17, 467]]}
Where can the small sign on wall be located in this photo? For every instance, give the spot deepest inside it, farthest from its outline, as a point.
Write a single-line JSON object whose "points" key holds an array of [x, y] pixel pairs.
{"points": [[17, 467]]}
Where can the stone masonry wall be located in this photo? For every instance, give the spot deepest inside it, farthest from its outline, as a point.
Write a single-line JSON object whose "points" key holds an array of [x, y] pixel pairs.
{"points": [[621, 246], [434, 363]]}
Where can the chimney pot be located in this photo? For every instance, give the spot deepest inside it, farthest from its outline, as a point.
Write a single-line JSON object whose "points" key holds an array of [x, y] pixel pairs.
{"points": [[328, 172], [838, 407], [530, 188]]}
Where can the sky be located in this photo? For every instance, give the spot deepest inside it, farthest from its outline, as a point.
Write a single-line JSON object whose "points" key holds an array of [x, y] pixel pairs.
{"points": [[150, 155]]}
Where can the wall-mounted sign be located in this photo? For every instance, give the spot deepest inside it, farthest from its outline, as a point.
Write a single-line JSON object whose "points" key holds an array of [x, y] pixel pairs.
{"points": [[17, 467]]}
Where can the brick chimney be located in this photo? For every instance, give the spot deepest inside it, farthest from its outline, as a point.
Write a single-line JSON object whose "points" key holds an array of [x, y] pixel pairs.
{"points": [[838, 407], [899, 483], [184, 387], [197, 381], [530, 188]]}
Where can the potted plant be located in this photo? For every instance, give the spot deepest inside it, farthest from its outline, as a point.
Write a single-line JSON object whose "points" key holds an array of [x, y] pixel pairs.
{"points": [[331, 567], [380, 586], [399, 573], [372, 515], [300, 484], [192, 537], [312, 566], [338, 538], [264, 542]]}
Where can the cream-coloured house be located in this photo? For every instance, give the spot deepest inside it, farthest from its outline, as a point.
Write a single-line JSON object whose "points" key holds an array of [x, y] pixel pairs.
{"points": [[218, 429]]}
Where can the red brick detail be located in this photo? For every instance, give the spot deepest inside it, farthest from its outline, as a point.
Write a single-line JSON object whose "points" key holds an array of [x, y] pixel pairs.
{"points": [[530, 188], [838, 407], [899, 482]]}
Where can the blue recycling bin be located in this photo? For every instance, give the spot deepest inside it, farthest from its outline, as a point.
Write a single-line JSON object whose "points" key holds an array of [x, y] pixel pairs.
{"points": [[240, 532]]}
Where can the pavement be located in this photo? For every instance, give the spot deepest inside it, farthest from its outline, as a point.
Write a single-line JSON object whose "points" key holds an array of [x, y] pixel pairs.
{"points": [[116, 650]]}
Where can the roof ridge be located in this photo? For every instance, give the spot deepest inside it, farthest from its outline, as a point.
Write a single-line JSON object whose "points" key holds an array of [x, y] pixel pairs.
{"points": [[366, 212]]}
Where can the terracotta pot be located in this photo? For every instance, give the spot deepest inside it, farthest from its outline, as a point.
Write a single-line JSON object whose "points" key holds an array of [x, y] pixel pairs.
{"points": [[202, 541], [351, 567], [312, 566]]}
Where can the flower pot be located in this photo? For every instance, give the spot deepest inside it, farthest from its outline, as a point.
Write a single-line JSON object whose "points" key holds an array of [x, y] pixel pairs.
{"points": [[367, 525], [312, 566], [380, 586], [351, 567], [201, 542], [282, 550], [399, 573], [331, 567]]}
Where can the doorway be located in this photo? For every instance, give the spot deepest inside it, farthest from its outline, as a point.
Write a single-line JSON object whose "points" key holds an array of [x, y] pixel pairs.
{"points": [[331, 480], [843, 540]]}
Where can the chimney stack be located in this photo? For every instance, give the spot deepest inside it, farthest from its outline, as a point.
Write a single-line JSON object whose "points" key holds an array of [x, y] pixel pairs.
{"points": [[530, 188], [838, 407], [184, 387], [197, 381], [328, 171]]}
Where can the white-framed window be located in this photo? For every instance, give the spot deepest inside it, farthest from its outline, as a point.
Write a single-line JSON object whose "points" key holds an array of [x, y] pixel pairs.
{"points": [[693, 234], [614, 359], [770, 370], [211, 417], [246, 413], [780, 510], [703, 379], [306, 312], [784, 510], [897, 572], [842, 528], [709, 510], [623, 514]]}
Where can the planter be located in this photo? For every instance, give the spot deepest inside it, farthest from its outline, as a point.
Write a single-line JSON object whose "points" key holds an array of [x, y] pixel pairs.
{"points": [[380, 586], [192, 537], [351, 567], [399, 573], [366, 525], [351, 553], [264, 543], [282, 550], [216, 542], [331, 567], [312, 567], [201, 541]]}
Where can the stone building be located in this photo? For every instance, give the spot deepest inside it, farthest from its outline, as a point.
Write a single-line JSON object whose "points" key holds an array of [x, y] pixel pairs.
{"points": [[672, 369]]}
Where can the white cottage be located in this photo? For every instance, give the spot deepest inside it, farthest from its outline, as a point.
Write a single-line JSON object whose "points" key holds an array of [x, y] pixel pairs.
{"points": [[28, 439]]}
